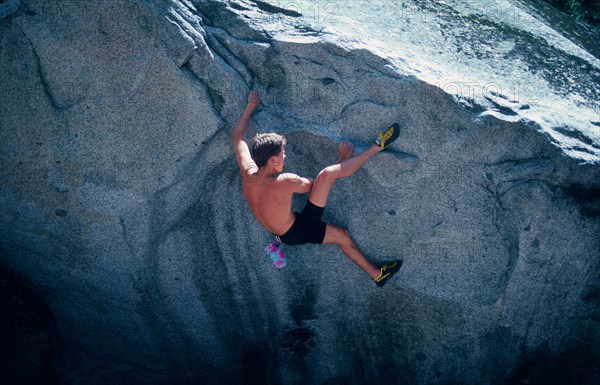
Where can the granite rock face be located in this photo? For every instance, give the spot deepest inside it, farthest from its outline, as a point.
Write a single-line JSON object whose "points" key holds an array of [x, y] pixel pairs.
{"points": [[121, 201]]}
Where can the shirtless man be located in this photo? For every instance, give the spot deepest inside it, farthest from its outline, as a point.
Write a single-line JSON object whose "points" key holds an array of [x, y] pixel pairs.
{"points": [[269, 191]]}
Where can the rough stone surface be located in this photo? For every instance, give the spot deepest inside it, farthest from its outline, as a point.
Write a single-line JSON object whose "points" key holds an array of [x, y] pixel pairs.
{"points": [[121, 202]]}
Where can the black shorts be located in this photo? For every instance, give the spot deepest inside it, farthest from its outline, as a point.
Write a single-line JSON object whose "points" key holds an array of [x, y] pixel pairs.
{"points": [[307, 227]]}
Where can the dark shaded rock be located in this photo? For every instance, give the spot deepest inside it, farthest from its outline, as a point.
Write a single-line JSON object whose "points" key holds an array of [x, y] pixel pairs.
{"points": [[61, 213], [274, 9], [31, 351], [588, 199], [575, 364]]}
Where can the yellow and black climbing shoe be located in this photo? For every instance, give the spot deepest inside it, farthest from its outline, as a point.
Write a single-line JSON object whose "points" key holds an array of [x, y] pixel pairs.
{"points": [[386, 138], [387, 271]]}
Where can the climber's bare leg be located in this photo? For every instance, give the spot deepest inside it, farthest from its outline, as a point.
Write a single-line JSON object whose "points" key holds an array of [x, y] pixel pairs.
{"points": [[341, 237], [346, 167]]}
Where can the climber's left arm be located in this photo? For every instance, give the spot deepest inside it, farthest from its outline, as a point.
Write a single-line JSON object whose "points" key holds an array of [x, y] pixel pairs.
{"points": [[242, 152]]}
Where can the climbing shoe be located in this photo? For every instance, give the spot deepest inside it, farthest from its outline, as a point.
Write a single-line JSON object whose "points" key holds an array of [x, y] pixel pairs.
{"points": [[386, 138], [387, 271]]}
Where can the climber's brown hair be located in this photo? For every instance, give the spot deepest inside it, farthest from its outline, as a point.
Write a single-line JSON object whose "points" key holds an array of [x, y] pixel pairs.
{"points": [[265, 146]]}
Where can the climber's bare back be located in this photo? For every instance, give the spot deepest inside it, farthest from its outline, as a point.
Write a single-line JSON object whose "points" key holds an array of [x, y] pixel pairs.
{"points": [[270, 200]]}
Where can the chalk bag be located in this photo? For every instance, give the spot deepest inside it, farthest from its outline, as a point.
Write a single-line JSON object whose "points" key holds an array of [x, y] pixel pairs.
{"points": [[274, 252]]}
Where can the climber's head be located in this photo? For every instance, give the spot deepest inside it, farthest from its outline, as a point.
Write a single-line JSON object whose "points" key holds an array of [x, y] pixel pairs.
{"points": [[268, 149]]}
